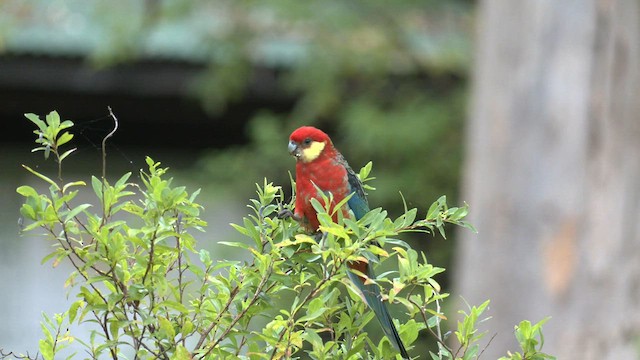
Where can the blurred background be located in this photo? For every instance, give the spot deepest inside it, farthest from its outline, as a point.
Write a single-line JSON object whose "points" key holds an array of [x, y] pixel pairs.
{"points": [[526, 110]]}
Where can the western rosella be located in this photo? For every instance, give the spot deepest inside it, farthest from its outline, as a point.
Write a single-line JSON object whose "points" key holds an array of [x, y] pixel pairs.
{"points": [[320, 166]]}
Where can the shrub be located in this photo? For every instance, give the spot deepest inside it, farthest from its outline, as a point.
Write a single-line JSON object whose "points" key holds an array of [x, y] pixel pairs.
{"points": [[150, 293]]}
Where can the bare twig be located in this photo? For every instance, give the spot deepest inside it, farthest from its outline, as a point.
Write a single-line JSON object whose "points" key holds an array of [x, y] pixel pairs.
{"points": [[104, 143], [486, 346], [104, 165], [4, 355], [441, 343]]}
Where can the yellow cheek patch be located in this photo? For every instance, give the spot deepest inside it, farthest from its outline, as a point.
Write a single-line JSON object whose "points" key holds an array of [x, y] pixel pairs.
{"points": [[313, 151]]}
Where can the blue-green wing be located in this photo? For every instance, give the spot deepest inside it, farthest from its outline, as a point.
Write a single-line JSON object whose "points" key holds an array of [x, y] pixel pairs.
{"points": [[358, 201]]}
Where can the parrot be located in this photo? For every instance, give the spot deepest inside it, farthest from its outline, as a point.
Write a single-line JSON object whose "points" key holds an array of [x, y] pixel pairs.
{"points": [[319, 166]]}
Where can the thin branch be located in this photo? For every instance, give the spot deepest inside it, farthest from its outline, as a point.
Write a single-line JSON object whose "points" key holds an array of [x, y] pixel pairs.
{"points": [[104, 165], [181, 269], [438, 321], [240, 315], [104, 144], [243, 342], [4, 355], [486, 346], [214, 323], [425, 319], [151, 252]]}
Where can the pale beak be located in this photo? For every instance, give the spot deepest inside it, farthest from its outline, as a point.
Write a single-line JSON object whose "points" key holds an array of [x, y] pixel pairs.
{"points": [[294, 149]]}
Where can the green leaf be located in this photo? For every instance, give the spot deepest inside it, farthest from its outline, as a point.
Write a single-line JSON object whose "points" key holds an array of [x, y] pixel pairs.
{"points": [[66, 124], [27, 211], [36, 120], [317, 206], [137, 292], [42, 177], [406, 219], [468, 226], [312, 315], [410, 330], [96, 184], [122, 181], [378, 251], [235, 244], [471, 352], [47, 151], [365, 171], [205, 257], [313, 338], [75, 183], [114, 329], [297, 240], [166, 327], [187, 328], [442, 232], [53, 119], [331, 228], [49, 257], [75, 211], [64, 138], [342, 203], [460, 212], [67, 153], [169, 304], [46, 349], [181, 353], [314, 310], [27, 191], [73, 310], [435, 208]]}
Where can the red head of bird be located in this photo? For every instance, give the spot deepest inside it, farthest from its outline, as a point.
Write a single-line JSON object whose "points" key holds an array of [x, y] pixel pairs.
{"points": [[308, 144]]}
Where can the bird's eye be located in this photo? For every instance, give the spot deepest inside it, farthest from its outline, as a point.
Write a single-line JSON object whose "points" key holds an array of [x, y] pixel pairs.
{"points": [[307, 141]]}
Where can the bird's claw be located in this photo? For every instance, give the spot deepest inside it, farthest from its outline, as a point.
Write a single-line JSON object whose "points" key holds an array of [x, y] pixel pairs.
{"points": [[285, 214]]}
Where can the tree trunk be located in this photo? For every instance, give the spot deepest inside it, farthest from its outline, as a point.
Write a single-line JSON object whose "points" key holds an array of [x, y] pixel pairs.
{"points": [[553, 175]]}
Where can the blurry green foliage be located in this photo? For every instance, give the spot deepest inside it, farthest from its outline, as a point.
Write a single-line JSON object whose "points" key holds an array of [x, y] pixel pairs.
{"points": [[385, 79]]}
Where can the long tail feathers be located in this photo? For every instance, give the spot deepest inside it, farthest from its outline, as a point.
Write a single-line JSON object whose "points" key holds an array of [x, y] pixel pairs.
{"points": [[372, 297]]}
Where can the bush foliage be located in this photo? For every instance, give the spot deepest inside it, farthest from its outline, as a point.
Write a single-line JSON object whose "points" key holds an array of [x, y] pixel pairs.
{"points": [[148, 292]]}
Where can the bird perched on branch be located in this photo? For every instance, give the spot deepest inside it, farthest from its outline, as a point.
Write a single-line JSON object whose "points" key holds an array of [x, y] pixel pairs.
{"points": [[319, 166]]}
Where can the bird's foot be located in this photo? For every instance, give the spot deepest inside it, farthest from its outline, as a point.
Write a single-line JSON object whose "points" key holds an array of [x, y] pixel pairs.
{"points": [[285, 213]]}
